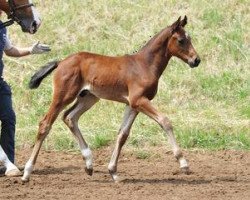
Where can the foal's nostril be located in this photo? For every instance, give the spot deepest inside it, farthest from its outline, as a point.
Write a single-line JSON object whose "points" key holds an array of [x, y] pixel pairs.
{"points": [[34, 27], [197, 61]]}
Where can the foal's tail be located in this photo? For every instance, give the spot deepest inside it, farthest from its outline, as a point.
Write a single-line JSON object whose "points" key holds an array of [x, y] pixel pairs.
{"points": [[37, 78]]}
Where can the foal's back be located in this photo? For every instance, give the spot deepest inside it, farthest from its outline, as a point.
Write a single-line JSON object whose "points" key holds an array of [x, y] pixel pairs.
{"points": [[106, 77]]}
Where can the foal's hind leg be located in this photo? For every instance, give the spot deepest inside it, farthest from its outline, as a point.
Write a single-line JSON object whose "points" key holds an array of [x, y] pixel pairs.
{"points": [[44, 128], [129, 117], [71, 118], [57, 105]]}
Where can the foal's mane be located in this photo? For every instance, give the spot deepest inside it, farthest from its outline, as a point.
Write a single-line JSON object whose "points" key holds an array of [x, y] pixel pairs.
{"points": [[160, 37]]}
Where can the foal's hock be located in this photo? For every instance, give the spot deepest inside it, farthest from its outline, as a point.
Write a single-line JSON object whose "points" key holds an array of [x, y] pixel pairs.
{"points": [[130, 79]]}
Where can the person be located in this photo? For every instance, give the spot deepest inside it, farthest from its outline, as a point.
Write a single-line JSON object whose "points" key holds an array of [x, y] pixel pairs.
{"points": [[7, 114]]}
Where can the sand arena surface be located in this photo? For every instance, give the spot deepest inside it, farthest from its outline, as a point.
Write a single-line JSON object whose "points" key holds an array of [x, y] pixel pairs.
{"points": [[59, 175]]}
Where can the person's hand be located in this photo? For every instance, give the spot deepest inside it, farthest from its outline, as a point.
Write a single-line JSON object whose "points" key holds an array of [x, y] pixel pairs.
{"points": [[38, 48]]}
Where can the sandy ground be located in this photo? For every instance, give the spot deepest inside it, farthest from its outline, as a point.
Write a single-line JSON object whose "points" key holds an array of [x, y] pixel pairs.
{"points": [[59, 175]]}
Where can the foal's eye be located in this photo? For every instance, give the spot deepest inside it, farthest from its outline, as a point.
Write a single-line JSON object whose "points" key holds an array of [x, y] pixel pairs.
{"points": [[181, 41]]}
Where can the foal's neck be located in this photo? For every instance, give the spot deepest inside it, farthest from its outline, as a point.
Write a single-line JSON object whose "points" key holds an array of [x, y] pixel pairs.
{"points": [[155, 54]]}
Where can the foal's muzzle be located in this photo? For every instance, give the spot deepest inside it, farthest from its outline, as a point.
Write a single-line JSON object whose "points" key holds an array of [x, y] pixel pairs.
{"points": [[30, 26], [34, 27], [195, 62]]}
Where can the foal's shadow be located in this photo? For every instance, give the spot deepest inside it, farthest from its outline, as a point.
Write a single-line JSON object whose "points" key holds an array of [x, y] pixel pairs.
{"points": [[171, 180], [52, 170], [189, 180], [175, 181], [181, 181]]}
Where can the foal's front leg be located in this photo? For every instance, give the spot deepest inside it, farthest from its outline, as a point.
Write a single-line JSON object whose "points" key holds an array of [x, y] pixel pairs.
{"points": [[129, 117], [145, 106]]}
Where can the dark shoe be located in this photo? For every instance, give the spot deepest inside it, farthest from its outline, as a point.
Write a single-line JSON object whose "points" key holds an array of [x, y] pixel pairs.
{"points": [[2, 170]]}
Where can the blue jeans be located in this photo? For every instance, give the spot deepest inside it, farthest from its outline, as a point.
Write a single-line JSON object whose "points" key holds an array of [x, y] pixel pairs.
{"points": [[8, 120]]}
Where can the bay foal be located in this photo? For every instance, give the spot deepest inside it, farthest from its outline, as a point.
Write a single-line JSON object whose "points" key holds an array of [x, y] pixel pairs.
{"points": [[130, 79]]}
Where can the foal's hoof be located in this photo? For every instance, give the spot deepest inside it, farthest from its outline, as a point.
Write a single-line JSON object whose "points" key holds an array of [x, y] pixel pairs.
{"points": [[13, 173], [115, 177], [25, 180], [186, 170], [89, 171]]}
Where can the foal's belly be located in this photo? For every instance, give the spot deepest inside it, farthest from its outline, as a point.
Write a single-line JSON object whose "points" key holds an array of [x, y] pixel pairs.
{"points": [[108, 93]]}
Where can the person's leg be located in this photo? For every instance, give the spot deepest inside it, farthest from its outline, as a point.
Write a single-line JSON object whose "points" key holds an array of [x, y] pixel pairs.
{"points": [[9, 169], [8, 119]]}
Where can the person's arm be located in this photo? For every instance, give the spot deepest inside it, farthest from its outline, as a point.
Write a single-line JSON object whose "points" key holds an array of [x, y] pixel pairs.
{"points": [[13, 51], [17, 52]]}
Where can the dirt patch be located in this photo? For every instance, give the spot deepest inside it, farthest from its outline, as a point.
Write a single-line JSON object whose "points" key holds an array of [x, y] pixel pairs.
{"points": [[60, 175]]}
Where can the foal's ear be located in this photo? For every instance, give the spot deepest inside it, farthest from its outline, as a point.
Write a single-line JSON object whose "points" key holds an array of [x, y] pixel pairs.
{"points": [[176, 25], [184, 21]]}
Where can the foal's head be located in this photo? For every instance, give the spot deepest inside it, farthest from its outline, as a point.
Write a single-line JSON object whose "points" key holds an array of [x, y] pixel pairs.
{"points": [[180, 45]]}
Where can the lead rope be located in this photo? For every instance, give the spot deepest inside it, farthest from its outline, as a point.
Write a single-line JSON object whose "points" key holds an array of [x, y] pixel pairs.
{"points": [[8, 23]]}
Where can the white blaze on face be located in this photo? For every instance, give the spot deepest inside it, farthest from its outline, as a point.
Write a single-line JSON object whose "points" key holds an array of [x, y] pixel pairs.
{"points": [[187, 35], [36, 15]]}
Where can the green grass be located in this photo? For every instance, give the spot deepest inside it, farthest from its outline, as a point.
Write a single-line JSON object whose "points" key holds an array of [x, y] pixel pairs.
{"points": [[214, 140], [141, 154], [208, 106]]}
